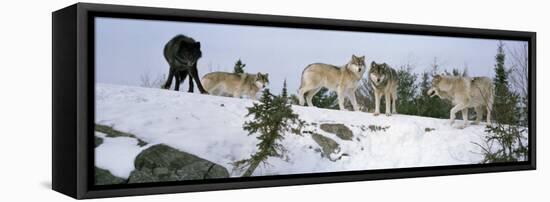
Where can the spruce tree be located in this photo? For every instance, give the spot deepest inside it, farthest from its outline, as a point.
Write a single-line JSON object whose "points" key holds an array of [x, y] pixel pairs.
{"points": [[272, 118], [284, 92], [239, 67], [505, 143], [423, 100], [505, 105], [406, 93], [505, 137]]}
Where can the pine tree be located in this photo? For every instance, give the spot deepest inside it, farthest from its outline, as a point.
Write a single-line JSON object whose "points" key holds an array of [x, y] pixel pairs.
{"points": [[239, 67], [505, 143], [423, 100], [505, 138], [272, 119], [284, 92], [505, 105], [406, 93]]}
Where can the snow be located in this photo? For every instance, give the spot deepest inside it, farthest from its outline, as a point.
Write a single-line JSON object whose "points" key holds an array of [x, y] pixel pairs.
{"points": [[117, 154], [211, 128]]}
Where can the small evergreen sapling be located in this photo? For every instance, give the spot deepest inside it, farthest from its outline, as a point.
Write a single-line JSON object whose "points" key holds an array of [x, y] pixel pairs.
{"points": [[239, 67], [505, 143], [272, 118]]}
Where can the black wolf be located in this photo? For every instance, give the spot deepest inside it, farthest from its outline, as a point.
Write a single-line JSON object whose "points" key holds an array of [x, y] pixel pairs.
{"points": [[182, 54]]}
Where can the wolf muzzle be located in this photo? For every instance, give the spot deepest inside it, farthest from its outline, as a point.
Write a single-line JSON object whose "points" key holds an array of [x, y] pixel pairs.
{"points": [[432, 92]]}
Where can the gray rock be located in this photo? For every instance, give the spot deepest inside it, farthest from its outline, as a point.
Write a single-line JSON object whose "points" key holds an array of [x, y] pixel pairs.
{"points": [[111, 132], [328, 146], [104, 177], [163, 163], [374, 128], [340, 130]]}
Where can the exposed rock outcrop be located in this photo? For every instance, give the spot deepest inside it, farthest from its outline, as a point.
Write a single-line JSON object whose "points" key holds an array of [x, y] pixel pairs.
{"points": [[340, 130], [163, 163]]}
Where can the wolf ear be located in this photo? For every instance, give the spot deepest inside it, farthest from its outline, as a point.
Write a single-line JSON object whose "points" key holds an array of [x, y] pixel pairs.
{"points": [[266, 77], [373, 63]]}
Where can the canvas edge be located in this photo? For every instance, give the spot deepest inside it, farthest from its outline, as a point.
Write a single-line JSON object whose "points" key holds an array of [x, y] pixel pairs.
{"points": [[81, 180]]}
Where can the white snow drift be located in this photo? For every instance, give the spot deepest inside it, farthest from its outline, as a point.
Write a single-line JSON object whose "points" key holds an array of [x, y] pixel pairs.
{"points": [[211, 128]]}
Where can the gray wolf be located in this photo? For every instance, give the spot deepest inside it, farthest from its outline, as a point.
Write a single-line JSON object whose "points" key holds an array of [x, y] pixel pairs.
{"points": [[464, 93], [223, 83], [344, 80], [182, 54], [384, 81]]}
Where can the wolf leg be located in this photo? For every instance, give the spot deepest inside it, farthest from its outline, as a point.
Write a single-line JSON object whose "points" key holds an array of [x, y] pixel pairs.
{"points": [[177, 84], [309, 96], [454, 110], [353, 100], [236, 92], [341, 98], [193, 72], [301, 100], [376, 103], [387, 98], [301, 93], [180, 78], [479, 114], [393, 101], [489, 111], [465, 117], [190, 89], [169, 79], [219, 88]]}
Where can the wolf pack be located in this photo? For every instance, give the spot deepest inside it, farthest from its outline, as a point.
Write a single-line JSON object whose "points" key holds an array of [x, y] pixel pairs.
{"points": [[182, 54]]}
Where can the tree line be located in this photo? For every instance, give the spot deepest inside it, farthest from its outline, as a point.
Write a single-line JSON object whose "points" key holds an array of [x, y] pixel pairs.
{"points": [[510, 83]]}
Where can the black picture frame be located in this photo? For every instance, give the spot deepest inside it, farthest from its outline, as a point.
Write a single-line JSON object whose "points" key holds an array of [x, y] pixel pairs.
{"points": [[73, 103]]}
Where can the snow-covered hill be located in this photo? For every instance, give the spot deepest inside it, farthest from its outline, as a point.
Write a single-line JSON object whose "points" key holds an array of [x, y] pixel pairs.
{"points": [[211, 128]]}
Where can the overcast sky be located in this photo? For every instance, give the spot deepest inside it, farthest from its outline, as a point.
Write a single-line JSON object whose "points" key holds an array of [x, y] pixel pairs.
{"points": [[126, 49]]}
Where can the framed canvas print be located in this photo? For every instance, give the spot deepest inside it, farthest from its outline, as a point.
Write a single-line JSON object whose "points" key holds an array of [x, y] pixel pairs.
{"points": [[154, 100]]}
